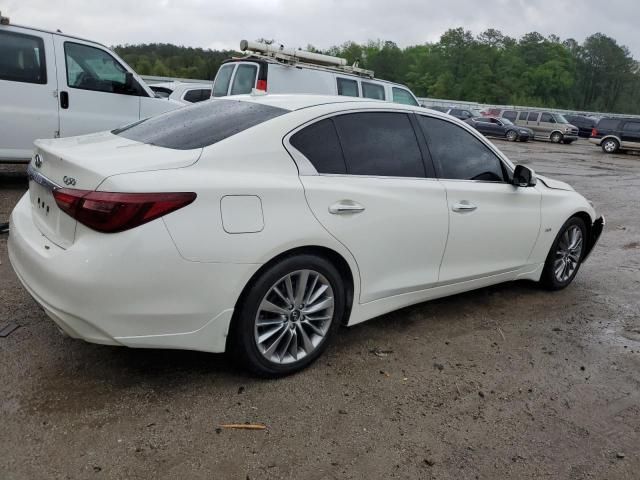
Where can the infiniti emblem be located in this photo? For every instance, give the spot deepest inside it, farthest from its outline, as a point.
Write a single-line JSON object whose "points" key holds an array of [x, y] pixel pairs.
{"points": [[69, 180], [37, 160]]}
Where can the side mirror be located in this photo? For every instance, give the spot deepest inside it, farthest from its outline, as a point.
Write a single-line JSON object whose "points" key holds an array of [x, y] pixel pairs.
{"points": [[524, 176]]}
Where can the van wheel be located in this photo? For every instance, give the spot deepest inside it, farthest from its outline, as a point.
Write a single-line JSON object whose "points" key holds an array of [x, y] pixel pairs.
{"points": [[288, 316], [512, 135], [556, 137], [610, 145]]}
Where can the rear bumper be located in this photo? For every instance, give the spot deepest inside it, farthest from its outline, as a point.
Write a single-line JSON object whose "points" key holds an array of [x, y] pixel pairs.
{"points": [[129, 289], [596, 231]]}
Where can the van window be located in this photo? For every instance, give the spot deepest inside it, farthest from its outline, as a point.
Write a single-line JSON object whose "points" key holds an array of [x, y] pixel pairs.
{"points": [[244, 80], [400, 95], [197, 95], [459, 154], [90, 68], [319, 143], [221, 85], [199, 125], [379, 144], [22, 58], [631, 127], [510, 115], [608, 124], [546, 117], [348, 88], [533, 117], [372, 90], [523, 115]]}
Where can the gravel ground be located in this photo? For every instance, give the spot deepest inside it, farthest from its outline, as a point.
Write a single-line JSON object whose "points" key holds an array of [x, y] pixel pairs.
{"points": [[505, 382]]}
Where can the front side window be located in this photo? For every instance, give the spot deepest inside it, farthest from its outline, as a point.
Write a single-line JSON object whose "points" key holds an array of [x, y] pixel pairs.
{"points": [[199, 125], [458, 154], [400, 95], [546, 117], [510, 115], [221, 85], [319, 143], [632, 127], [197, 95], [523, 115], [372, 90], [22, 58], [348, 88], [244, 80], [379, 144]]}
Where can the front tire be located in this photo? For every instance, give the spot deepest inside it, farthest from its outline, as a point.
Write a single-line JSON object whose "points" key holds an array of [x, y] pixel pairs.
{"points": [[565, 257], [288, 315], [610, 145], [556, 137], [512, 135]]}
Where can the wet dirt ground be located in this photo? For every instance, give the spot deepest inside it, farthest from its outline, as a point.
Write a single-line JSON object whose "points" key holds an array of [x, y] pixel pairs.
{"points": [[506, 382]]}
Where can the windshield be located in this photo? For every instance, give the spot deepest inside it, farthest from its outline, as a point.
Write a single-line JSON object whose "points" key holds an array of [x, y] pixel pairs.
{"points": [[559, 118]]}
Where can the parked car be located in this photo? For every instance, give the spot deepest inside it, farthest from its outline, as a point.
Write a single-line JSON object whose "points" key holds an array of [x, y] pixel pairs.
{"points": [[584, 124], [275, 69], [259, 224], [461, 113], [545, 125], [614, 134], [501, 128], [55, 85], [183, 92]]}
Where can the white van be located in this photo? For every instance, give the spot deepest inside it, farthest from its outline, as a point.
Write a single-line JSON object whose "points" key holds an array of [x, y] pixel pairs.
{"points": [[55, 85], [276, 69]]}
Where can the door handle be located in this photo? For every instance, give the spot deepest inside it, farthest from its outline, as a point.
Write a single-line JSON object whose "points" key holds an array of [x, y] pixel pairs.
{"points": [[345, 206], [463, 206], [64, 100]]}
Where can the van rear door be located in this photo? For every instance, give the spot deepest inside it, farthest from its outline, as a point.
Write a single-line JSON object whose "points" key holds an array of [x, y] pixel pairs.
{"points": [[93, 93], [28, 85]]}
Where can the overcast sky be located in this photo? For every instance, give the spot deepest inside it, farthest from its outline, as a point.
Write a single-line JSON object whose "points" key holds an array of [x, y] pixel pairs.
{"points": [[222, 24]]}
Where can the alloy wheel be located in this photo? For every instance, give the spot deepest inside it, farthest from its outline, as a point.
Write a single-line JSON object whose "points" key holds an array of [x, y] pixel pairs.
{"points": [[610, 146], [294, 316], [568, 253], [512, 135]]}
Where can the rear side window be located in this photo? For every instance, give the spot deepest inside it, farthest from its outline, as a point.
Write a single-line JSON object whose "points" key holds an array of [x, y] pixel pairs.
{"points": [[22, 58], [546, 117], [199, 125], [221, 85], [244, 80], [348, 88], [319, 143], [510, 115], [400, 95], [458, 154], [608, 124], [631, 127], [533, 117], [372, 90], [198, 95], [379, 144], [523, 115]]}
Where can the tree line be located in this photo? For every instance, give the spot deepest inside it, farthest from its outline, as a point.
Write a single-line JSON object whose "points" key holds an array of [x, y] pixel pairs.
{"points": [[596, 75]]}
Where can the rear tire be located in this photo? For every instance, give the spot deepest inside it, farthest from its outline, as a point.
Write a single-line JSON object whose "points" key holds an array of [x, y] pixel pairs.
{"points": [[610, 145], [288, 316], [556, 137], [565, 256]]}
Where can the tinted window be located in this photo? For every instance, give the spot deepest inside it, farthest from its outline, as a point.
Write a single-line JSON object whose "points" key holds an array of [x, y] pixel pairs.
{"points": [[455, 111], [348, 88], [244, 80], [459, 154], [546, 117], [533, 117], [400, 95], [372, 90], [198, 95], [319, 143], [380, 143], [510, 115], [483, 120], [90, 68], [523, 115], [22, 58], [199, 125], [221, 85], [632, 127], [608, 124]]}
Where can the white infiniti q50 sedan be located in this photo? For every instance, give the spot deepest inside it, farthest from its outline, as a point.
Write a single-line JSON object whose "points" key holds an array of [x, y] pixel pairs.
{"points": [[259, 224]]}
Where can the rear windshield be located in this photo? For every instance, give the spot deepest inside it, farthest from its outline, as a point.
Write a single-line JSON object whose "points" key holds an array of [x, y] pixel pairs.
{"points": [[200, 125]]}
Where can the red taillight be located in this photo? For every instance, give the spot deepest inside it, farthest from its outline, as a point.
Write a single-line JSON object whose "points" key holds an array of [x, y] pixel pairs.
{"points": [[261, 85], [111, 212], [594, 132]]}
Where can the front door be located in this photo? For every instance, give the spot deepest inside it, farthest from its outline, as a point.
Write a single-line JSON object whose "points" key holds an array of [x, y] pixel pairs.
{"points": [[370, 189], [93, 94], [493, 225]]}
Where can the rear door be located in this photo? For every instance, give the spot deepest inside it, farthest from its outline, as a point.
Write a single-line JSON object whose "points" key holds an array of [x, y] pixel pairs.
{"points": [[28, 85], [93, 94], [532, 123], [368, 186], [631, 134]]}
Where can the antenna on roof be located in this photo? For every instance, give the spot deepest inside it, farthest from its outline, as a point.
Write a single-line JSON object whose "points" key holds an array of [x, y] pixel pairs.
{"points": [[4, 20]]}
